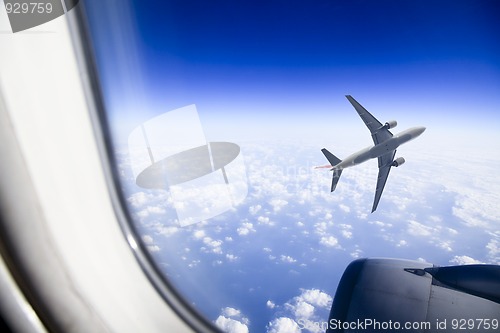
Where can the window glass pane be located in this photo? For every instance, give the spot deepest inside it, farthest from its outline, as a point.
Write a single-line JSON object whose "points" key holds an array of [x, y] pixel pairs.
{"points": [[219, 110]]}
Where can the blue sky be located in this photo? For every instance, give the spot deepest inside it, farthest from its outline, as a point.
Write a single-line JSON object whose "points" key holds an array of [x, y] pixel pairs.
{"points": [[287, 53], [260, 61]]}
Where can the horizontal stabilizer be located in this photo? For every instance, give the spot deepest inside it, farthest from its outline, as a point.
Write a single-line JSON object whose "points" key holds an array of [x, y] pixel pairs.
{"points": [[334, 160], [335, 179]]}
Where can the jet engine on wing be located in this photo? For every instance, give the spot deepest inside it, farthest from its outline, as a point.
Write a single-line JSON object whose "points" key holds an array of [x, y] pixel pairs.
{"points": [[391, 124], [398, 161], [382, 295]]}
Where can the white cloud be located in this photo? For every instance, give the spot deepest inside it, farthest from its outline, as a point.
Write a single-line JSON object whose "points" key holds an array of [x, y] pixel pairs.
{"points": [[329, 241], [283, 325], [254, 209], [344, 208], [435, 219], [381, 224], [231, 312], [153, 248], [166, 230], [245, 229], [320, 228], [212, 245], [402, 243], [477, 208], [356, 253], [138, 199], [362, 216], [199, 234], [270, 304], [303, 310], [231, 320], [346, 234], [194, 263], [493, 248], [278, 204], [452, 231], [467, 176], [346, 230], [156, 210], [445, 245], [418, 229], [316, 297], [230, 325], [147, 239], [150, 210], [287, 259], [464, 260], [231, 257], [265, 220]]}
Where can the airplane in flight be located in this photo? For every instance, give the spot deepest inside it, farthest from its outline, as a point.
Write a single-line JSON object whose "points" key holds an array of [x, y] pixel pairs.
{"points": [[385, 145]]}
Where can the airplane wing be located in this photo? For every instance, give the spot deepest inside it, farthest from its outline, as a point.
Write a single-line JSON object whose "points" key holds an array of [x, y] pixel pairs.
{"points": [[384, 166], [378, 131]]}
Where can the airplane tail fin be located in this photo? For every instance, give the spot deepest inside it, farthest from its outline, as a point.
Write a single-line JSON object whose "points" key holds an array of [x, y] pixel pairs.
{"points": [[334, 160]]}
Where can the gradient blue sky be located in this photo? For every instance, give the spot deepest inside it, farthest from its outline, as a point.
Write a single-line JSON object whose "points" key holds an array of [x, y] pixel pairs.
{"points": [[281, 63]]}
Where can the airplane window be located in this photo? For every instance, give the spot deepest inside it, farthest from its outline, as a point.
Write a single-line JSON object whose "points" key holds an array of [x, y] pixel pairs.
{"points": [[218, 113]]}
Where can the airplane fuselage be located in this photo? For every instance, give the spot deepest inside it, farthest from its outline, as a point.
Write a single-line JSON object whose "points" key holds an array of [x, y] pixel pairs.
{"points": [[378, 150]]}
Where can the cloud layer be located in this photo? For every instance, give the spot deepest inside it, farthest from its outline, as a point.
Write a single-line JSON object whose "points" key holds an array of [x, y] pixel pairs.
{"points": [[291, 233]]}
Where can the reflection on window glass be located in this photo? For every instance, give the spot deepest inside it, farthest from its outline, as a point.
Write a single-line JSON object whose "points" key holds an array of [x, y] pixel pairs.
{"points": [[219, 111], [169, 152]]}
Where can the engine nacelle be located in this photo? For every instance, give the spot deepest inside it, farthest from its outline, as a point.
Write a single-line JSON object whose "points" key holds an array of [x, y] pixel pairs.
{"points": [[391, 124], [381, 292], [398, 161]]}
